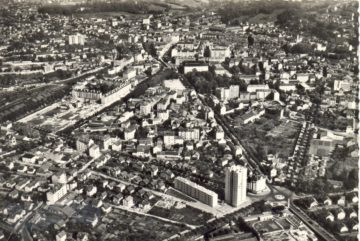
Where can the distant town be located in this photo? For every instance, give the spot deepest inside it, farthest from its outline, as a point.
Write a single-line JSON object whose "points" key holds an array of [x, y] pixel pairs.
{"points": [[179, 120]]}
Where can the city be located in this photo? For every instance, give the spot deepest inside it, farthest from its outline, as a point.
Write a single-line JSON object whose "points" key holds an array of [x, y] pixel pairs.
{"points": [[179, 120]]}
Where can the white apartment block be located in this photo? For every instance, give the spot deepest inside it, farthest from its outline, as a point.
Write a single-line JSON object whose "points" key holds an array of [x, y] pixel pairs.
{"points": [[257, 184], [196, 191], [254, 88], [190, 134], [229, 93], [342, 85], [56, 193], [77, 39]]}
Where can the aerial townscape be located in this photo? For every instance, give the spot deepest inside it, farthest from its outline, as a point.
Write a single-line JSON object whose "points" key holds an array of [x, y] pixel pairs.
{"points": [[182, 120]]}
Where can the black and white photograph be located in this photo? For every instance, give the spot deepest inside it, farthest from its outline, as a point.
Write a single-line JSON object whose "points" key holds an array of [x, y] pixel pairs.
{"points": [[179, 120]]}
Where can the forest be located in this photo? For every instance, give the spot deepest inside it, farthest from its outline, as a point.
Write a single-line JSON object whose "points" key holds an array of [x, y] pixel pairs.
{"points": [[139, 7]]}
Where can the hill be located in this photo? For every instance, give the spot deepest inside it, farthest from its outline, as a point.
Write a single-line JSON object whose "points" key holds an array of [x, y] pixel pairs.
{"points": [[260, 18]]}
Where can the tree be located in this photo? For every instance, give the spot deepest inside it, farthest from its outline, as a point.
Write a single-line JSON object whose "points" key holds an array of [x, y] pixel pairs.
{"points": [[352, 179], [26, 130], [152, 50], [122, 50], [148, 71], [286, 48], [319, 186], [301, 48], [17, 45], [261, 66], [278, 209], [250, 41], [133, 49], [325, 71], [207, 53], [235, 69], [227, 61], [288, 18]]}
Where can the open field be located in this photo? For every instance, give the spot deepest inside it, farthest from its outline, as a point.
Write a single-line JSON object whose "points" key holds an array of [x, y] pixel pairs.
{"points": [[264, 18], [284, 129], [56, 118], [132, 226], [268, 136], [184, 214], [342, 161], [267, 226]]}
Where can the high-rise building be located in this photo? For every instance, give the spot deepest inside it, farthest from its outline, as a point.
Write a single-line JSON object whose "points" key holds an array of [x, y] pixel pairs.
{"points": [[235, 185]]}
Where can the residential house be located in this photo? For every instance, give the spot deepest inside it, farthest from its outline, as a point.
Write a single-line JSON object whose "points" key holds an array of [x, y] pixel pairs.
{"points": [[129, 133], [106, 208], [329, 216], [325, 200], [342, 228], [352, 197], [310, 202], [353, 224], [118, 198], [339, 213], [351, 213], [91, 190], [128, 201]]}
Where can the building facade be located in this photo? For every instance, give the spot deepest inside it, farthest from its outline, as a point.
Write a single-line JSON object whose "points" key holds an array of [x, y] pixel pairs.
{"points": [[235, 185], [77, 39], [256, 184], [196, 191], [56, 193]]}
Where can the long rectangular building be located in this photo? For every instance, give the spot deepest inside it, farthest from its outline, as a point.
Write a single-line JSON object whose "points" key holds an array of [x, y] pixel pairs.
{"points": [[196, 191]]}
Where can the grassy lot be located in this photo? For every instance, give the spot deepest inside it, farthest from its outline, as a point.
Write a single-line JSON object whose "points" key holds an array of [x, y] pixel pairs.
{"points": [[116, 225], [332, 121], [341, 162], [36, 121], [269, 136], [268, 226], [186, 214], [131, 226]]}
